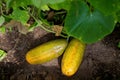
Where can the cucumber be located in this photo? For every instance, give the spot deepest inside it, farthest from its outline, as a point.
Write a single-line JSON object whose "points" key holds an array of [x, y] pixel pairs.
{"points": [[46, 51], [72, 57]]}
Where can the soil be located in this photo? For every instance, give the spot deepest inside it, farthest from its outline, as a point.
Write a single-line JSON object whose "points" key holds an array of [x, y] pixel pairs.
{"points": [[101, 60]]}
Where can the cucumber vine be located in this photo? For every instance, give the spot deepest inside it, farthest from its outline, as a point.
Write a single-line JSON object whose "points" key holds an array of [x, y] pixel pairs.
{"points": [[78, 19]]}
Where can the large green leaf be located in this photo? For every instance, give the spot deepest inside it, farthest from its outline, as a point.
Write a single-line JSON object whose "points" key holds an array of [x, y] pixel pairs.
{"points": [[85, 25], [20, 15], [108, 7]]}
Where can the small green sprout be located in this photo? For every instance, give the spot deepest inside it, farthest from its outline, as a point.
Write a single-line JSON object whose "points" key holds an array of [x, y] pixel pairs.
{"points": [[2, 54]]}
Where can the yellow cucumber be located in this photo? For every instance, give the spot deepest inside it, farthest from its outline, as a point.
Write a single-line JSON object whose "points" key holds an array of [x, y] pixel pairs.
{"points": [[46, 51], [72, 57]]}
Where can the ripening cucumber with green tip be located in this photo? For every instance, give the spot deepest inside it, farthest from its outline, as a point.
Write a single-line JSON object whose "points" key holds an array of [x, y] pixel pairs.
{"points": [[46, 51]]}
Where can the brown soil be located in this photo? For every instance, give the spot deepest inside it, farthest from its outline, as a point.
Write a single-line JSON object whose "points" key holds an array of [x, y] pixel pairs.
{"points": [[101, 60]]}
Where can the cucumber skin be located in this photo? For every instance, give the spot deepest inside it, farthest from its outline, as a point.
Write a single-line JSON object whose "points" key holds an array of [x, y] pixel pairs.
{"points": [[46, 51], [72, 57]]}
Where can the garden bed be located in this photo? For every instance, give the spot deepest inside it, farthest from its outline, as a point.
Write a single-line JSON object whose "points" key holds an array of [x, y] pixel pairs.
{"points": [[101, 60]]}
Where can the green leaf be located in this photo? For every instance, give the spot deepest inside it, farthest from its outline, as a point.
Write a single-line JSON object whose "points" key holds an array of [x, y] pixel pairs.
{"points": [[37, 3], [119, 45], [105, 6], [0, 4], [40, 3], [2, 29], [17, 3], [85, 25], [45, 8], [2, 20], [53, 1], [63, 5], [2, 54], [20, 15], [118, 16]]}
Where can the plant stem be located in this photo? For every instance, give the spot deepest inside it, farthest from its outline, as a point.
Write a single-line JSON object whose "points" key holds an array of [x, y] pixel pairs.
{"points": [[40, 24], [62, 12]]}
